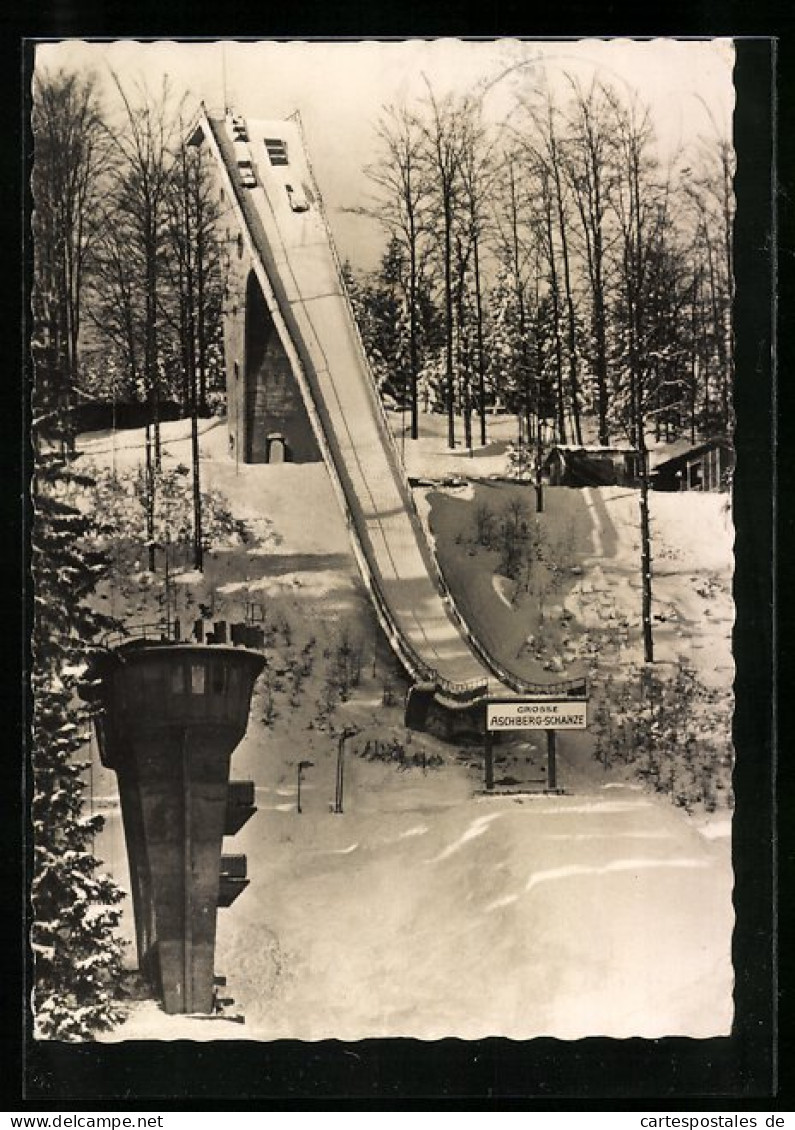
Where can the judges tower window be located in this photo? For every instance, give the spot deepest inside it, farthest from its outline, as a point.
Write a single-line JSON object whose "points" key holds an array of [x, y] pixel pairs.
{"points": [[277, 150]]}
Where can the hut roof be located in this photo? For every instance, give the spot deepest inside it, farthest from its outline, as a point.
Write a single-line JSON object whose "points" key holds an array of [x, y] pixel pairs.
{"points": [[691, 451]]}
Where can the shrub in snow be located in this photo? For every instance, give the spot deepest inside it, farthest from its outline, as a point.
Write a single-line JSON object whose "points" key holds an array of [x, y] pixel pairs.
{"points": [[119, 503], [76, 951], [269, 711], [307, 657], [521, 462], [394, 751], [343, 670], [538, 562], [672, 730], [484, 524]]}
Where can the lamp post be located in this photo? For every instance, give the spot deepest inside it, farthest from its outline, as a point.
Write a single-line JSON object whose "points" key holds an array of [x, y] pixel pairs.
{"points": [[346, 733], [301, 766]]}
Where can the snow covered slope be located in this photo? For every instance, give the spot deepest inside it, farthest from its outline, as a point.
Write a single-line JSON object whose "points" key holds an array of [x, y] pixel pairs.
{"points": [[427, 909], [427, 912]]}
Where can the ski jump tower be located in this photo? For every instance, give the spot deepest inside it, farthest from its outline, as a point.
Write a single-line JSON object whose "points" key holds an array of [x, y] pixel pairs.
{"points": [[299, 387], [171, 716]]}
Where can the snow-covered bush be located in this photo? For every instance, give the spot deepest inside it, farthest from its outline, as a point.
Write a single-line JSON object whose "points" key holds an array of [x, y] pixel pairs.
{"points": [[307, 657], [484, 524], [269, 711], [672, 730], [521, 462], [343, 670], [538, 562], [394, 751], [119, 506]]}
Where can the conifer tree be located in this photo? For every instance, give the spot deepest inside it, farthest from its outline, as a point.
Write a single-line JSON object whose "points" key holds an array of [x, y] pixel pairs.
{"points": [[77, 955]]}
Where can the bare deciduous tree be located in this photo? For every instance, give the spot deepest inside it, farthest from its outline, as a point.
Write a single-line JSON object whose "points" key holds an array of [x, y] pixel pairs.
{"points": [[445, 133], [642, 205], [70, 157], [140, 192], [589, 169], [478, 172], [404, 196]]}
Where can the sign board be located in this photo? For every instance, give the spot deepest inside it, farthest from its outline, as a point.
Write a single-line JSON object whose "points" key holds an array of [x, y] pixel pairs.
{"points": [[544, 714]]}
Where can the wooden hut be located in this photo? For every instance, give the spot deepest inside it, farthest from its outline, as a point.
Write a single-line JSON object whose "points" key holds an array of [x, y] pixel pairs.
{"points": [[591, 466], [706, 466]]}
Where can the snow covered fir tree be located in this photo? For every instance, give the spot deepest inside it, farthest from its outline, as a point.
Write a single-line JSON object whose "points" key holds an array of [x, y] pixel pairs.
{"points": [[75, 906]]}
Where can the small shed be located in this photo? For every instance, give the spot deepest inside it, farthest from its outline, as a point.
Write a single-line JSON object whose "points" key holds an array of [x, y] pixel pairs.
{"points": [[706, 466], [591, 466]]}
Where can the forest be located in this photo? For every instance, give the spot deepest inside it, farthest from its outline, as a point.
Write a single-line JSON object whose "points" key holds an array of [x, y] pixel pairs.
{"points": [[555, 266]]}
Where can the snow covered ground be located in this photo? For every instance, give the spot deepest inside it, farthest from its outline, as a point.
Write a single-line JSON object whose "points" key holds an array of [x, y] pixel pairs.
{"points": [[429, 456], [595, 533], [426, 908]]}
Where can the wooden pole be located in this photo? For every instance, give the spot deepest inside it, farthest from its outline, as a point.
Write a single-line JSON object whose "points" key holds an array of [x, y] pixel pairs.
{"points": [[167, 590], [187, 878], [342, 767], [552, 769], [488, 751], [538, 484], [340, 755]]}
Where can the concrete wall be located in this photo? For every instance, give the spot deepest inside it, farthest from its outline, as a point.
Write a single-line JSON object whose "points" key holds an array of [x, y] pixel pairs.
{"points": [[263, 397], [173, 714]]}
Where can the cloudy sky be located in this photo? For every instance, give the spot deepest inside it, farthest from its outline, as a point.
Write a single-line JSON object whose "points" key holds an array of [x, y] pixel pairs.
{"points": [[339, 89]]}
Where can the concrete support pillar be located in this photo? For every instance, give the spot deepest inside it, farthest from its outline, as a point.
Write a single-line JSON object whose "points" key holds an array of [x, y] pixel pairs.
{"points": [[174, 797], [172, 714]]}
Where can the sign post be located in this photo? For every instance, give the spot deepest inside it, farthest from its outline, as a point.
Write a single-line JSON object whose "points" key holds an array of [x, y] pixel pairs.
{"points": [[348, 732], [489, 759], [552, 768], [534, 714]]}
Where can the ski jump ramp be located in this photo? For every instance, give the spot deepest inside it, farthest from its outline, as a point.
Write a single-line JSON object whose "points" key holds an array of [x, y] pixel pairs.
{"points": [[265, 171]]}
